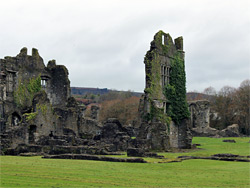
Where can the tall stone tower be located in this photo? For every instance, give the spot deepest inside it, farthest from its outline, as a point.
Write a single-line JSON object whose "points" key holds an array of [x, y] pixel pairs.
{"points": [[163, 107]]}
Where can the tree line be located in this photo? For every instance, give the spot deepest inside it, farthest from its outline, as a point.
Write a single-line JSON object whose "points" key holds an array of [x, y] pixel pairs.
{"points": [[230, 106]]}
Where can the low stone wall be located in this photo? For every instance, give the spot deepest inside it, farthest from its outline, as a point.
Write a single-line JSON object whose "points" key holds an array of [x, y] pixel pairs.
{"points": [[94, 157], [220, 157]]}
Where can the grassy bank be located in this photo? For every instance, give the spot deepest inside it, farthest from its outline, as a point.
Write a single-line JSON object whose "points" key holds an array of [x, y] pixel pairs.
{"points": [[38, 172]]}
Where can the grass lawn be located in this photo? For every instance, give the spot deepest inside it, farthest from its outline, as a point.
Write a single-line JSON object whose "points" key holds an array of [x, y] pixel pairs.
{"points": [[37, 172], [210, 146]]}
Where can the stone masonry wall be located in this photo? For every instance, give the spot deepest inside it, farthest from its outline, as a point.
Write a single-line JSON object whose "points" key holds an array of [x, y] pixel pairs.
{"points": [[155, 107], [36, 116]]}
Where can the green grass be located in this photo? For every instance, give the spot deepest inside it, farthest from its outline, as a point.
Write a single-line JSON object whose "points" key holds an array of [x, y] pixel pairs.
{"points": [[37, 172], [211, 146]]}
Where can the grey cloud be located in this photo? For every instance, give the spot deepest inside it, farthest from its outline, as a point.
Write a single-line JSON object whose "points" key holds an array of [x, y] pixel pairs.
{"points": [[103, 43]]}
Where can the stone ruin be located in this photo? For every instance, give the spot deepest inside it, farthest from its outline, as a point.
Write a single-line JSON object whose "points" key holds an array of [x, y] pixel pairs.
{"points": [[38, 114], [200, 117], [199, 122], [158, 127], [35, 118]]}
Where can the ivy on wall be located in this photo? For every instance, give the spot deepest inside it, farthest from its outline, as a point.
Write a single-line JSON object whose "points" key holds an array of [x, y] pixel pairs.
{"points": [[154, 90], [175, 91], [153, 63], [32, 115], [26, 90]]}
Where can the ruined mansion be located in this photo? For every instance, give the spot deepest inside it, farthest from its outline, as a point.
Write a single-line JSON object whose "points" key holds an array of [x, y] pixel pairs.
{"points": [[38, 114]]}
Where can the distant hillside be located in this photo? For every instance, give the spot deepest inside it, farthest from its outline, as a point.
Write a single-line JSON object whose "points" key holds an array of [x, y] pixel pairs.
{"points": [[191, 96], [85, 90], [97, 91]]}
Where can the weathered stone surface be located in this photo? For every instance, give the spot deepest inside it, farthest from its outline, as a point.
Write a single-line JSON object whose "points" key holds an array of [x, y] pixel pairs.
{"points": [[138, 152], [180, 136], [231, 141], [23, 148], [111, 128], [113, 132], [89, 128], [95, 112], [225, 155], [199, 114], [230, 131], [135, 152], [200, 118], [153, 155], [206, 131]]}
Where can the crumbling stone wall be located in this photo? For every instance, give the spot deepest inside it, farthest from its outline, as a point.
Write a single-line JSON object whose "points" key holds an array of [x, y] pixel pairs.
{"points": [[200, 118], [25, 110], [15, 71], [199, 122], [200, 112], [39, 115], [163, 108], [57, 85]]}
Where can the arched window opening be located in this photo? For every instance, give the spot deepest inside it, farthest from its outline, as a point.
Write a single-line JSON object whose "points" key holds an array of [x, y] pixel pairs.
{"points": [[32, 131], [16, 118], [43, 83]]}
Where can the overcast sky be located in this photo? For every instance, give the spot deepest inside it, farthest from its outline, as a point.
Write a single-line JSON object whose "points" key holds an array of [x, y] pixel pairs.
{"points": [[103, 43]]}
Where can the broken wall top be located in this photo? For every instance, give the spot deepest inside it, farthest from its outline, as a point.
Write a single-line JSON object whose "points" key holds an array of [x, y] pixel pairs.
{"points": [[164, 44], [163, 51], [30, 62], [23, 67]]}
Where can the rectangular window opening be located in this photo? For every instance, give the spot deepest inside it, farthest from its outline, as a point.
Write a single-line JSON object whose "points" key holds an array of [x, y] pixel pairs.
{"points": [[163, 80], [165, 107], [43, 83]]}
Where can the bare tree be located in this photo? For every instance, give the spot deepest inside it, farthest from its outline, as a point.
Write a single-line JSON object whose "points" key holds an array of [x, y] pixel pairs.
{"points": [[209, 91], [242, 106]]}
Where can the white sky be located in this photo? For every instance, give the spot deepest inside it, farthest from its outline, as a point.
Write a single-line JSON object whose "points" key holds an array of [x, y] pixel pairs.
{"points": [[103, 42]]}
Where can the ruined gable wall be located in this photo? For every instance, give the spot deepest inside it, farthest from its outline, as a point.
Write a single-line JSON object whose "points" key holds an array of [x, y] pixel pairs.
{"points": [[165, 92], [35, 103], [200, 112], [17, 72], [159, 60], [24, 67], [58, 85]]}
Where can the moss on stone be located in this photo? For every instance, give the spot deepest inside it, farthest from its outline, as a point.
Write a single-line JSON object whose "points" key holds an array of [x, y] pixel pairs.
{"points": [[30, 116], [155, 76], [26, 90], [175, 91], [174, 94]]}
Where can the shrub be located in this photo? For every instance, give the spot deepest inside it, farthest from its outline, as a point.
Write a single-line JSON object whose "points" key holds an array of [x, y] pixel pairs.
{"points": [[126, 111]]}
